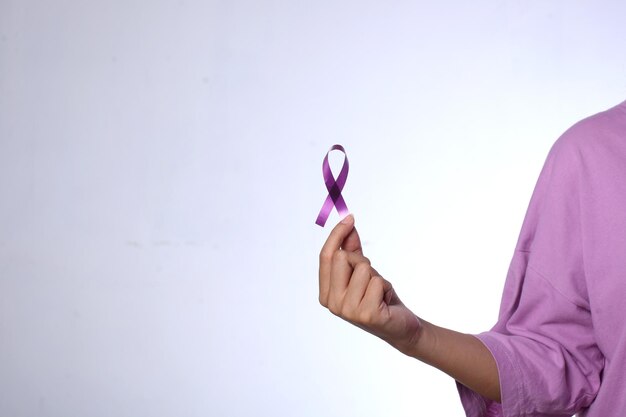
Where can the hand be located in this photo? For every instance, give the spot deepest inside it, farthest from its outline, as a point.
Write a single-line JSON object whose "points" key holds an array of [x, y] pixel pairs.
{"points": [[352, 289]]}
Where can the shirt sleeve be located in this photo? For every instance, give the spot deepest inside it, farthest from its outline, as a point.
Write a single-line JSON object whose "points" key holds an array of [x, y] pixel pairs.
{"points": [[543, 342]]}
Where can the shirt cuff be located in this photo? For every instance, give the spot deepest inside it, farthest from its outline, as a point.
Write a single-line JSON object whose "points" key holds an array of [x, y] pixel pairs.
{"points": [[511, 392]]}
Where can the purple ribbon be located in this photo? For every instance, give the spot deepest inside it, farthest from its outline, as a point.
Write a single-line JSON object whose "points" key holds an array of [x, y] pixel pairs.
{"points": [[334, 188]]}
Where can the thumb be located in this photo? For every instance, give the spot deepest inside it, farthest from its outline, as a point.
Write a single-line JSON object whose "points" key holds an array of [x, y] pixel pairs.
{"points": [[352, 242], [343, 236]]}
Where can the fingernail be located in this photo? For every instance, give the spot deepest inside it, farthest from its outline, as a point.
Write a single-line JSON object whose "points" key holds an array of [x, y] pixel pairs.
{"points": [[348, 219]]}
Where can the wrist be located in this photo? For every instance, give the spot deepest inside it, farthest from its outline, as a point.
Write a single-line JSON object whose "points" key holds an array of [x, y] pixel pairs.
{"points": [[423, 344], [415, 344]]}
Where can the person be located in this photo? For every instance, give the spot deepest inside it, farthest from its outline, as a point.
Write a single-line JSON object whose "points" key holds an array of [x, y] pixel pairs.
{"points": [[559, 345]]}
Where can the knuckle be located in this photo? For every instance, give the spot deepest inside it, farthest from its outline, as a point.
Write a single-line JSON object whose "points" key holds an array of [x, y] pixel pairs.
{"points": [[347, 312], [362, 267], [366, 317], [377, 281], [340, 256], [323, 300], [334, 308], [326, 256]]}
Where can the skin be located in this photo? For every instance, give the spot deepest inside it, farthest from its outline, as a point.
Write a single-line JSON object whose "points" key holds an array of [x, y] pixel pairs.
{"points": [[352, 289]]}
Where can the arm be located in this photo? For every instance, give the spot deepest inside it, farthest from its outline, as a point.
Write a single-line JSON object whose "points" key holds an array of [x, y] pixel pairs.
{"points": [[462, 356], [351, 289]]}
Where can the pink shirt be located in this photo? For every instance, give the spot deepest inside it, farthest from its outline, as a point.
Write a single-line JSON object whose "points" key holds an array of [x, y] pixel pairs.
{"points": [[560, 338]]}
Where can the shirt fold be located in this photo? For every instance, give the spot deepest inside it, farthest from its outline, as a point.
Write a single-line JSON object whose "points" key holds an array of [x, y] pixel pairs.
{"points": [[546, 342]]}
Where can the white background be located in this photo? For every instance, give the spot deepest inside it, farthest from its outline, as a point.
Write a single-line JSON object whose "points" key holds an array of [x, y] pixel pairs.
{"points": [[160, 175]]}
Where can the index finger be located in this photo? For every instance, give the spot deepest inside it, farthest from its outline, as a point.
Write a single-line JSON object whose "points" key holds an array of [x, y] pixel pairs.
{"points": [[336, 238], [332, 244]]}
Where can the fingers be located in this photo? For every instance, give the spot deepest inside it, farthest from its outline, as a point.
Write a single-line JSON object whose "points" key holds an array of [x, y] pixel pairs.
{"points": [[334, 285], [357, 286], [336, 237], [346, 267], [352, 242], [373, 298], [356, 292], [332, 245]]}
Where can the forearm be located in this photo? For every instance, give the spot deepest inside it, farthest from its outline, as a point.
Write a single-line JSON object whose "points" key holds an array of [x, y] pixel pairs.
{"points": [[460, 355]]}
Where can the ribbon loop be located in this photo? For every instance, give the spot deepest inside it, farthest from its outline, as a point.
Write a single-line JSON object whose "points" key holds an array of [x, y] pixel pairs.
{"points": [[334, 188]]}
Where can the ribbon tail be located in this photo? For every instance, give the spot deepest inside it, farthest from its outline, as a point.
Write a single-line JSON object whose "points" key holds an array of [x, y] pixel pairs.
{"points": [[327, 207]]}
